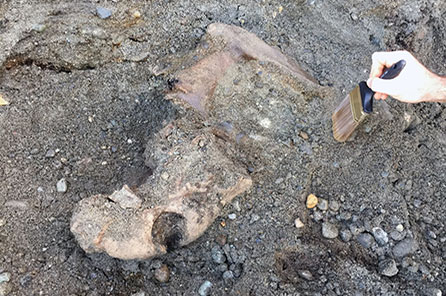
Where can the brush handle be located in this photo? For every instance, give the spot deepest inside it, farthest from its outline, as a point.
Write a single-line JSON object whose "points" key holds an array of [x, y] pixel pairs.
{"points": [[367, 94]]}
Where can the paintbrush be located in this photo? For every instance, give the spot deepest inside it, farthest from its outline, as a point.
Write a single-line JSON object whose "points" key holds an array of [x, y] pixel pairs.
{"points": [[358, 104]]}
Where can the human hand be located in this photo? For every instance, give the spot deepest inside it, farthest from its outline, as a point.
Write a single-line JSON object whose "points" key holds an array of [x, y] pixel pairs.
{"points": [[414, 84]]}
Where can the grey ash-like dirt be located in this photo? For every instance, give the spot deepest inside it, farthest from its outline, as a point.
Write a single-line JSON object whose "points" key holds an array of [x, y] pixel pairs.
{"points": [[88, 93]]}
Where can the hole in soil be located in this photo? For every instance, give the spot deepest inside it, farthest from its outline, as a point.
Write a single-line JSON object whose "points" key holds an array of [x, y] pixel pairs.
{"points": [[168, 230]]}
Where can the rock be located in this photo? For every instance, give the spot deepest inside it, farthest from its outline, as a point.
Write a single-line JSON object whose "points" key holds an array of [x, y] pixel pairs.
{"points": [[396, 235], [140, 293], [304, 135], [322, 204], [222, 267], [2, 222], [162, 274], [5, 285], [380, 236], [217, 255], [5, 277], [17, 204], [126, 198], [165, 176], [329, 230], [228, 275], [62, 185], [388, 267], [365, 240], [50, 153], [298, 223], [237, 270], [433, 292], [232, 216], [346, 235], [221, 239], [136, 14], [38, 28], [311, 201], [405, 247], [254, 218], [334, 205], [399, 227], [205, 288], [103, 13], [305, 274]]}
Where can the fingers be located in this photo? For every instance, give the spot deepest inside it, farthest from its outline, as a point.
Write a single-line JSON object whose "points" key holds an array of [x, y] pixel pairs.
{"points": [[383, 59], [382, 87]]}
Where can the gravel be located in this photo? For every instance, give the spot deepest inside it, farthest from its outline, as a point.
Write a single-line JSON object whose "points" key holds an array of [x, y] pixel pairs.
{"points": [[365, 240], [162, 274], [62, 185], [217, 255], [380, 236], [228, 275], [329, 230], [388, 267], [232, 216], [322, 204], [205, 288], [346, 235], [405, 247], [103, 13]]}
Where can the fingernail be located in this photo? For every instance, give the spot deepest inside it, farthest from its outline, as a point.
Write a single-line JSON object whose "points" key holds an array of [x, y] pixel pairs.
{"points": [[369, 82]]}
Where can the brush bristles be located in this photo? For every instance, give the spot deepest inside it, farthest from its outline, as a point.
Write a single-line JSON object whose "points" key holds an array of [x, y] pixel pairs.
{"points": [[343, 122]]}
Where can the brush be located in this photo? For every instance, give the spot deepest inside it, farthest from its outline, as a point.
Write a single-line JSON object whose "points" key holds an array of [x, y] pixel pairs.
{"points": [[358, 104]]}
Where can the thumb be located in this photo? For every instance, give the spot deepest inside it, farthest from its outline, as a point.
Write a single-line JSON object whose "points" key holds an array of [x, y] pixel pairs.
{"points": [[381, 85]]}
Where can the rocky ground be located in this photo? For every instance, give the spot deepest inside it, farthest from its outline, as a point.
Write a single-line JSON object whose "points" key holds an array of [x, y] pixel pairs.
{"points": [[86, 83]]}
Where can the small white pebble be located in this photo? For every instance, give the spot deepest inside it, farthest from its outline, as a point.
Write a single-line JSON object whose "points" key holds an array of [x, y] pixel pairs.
{"points": [[165, 176], [399, 227], [232, 216], [129, 141], [298, 223], [104, 163]]}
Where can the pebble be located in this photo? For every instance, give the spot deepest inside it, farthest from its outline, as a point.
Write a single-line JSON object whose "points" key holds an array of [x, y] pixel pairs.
{"points": [[62, 185], [322, 204], [232, 216], [346, 235], [2, 222], [399, 227], [311, 201], [329, 230], [434, 292], [380, 236], [334, 205], [50, 153], [298, 223], [217, 255], [365, 240], [5, 286], [162, 274], [136, 14], [305, 274], [405, 247], [304, 135], [165, 176], [396, 235], [228, 275], [221, 239], [5, 277], [205, 288], [254, 218], [388, 267], [38, 28], [103, 13]]}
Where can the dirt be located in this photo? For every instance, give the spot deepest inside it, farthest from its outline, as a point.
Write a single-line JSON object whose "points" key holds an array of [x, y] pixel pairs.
{"points": [[93, 91]]}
